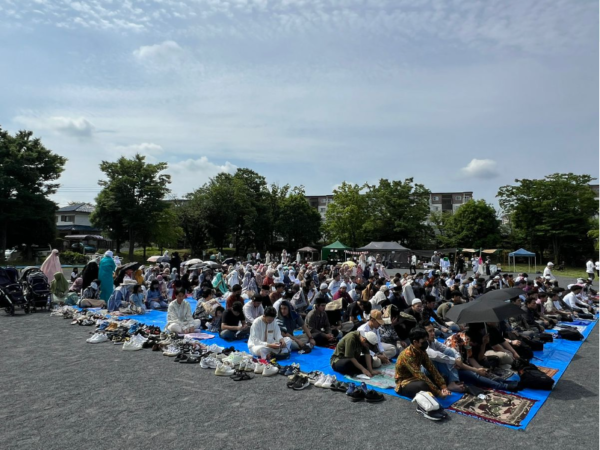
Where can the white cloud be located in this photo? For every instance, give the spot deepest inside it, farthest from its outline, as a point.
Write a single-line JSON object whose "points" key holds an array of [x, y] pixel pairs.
{"points": [[147, 149], [165, 53], [75, 127], [481, 168], [188, 175]]}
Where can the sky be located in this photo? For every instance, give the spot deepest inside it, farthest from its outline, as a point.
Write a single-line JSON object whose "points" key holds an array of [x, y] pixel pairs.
{"points": [[461, 95]]}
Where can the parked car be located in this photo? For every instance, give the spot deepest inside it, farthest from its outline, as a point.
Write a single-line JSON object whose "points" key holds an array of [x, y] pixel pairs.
{"points": [[84, 248], [11, 254]]}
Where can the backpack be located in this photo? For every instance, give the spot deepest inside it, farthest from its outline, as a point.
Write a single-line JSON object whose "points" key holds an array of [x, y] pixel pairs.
{"points": [[570, 335], [533, 378]]}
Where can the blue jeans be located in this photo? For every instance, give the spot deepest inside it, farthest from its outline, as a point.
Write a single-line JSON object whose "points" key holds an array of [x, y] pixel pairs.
{"points": [[449, 372], [474, 378], [229, 335]]}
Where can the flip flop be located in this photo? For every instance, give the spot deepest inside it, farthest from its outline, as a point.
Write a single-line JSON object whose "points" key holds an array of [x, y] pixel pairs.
{"points": [[241, 376]]}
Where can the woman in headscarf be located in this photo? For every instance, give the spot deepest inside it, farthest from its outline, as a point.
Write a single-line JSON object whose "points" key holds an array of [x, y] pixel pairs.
{"points": [[259, 275], [89, 273], [120, 295], [59, 288], [382, 272], [51, 265], [105, 275], [249, 284], [219, 284], [76, 286], [289, 320]]}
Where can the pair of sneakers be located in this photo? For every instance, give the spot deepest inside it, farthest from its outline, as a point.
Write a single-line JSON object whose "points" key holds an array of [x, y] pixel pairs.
{"points": [[361, 393], [135, 342], [97, 338], [298, 382], [209, 362], [266, 370], [325, 381], [224, 369]]}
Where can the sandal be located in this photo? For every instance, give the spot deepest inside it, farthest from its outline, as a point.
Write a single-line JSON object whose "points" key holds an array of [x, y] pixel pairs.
{"points": [[240, 376]]}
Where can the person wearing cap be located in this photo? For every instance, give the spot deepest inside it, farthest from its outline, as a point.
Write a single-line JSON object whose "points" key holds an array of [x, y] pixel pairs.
{"points": [[384, 352], [120, 295], [410, 378], [352, 355], [342, 294], [322, 294], [548, 271], [318, 324]]}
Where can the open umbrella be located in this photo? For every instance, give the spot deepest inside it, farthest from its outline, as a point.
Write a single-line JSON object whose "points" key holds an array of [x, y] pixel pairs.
{"points": [[483, 311], [197, 266], [192, 261], [213, 265], [123, 269], [501, 294], [229, 261], [154, 259]]}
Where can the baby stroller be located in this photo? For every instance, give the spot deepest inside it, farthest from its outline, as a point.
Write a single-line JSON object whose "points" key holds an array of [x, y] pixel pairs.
{"points": [[11, 292], [35, 286]]}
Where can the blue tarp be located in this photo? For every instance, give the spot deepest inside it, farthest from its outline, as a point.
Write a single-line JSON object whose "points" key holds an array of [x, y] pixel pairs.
{"points": [[556, 355]]}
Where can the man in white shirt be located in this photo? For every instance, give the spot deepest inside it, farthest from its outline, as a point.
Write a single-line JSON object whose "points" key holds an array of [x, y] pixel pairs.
{"points": [[548, 271], [265, 336], [179, 315], [573, 302], [253, 309], [589, 268], [335, 284], [386, 351]]}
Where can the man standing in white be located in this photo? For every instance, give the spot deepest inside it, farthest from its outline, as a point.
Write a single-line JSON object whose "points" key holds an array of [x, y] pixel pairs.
{"points": [[589, 268], [548, 271], [265, 336]]}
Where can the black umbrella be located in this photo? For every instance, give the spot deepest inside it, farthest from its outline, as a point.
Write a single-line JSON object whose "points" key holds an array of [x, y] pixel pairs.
{"points": [[229, 261], [197, 266], [501, 294], [213, 265], [483, 311], [121, 274]]}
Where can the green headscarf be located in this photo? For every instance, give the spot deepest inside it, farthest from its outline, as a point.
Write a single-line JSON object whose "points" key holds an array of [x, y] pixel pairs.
{"points": [[219, 284], [59, 286]]}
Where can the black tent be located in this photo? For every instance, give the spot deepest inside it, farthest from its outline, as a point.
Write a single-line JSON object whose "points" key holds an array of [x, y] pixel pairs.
{"points": [[391, 252]]}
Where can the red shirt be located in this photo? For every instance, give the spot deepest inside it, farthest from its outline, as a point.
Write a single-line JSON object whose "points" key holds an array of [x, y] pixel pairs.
{"points": [[232, 299]]}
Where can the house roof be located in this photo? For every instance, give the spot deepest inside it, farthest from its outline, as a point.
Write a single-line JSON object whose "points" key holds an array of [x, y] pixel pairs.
{"points": [[77, 207]]}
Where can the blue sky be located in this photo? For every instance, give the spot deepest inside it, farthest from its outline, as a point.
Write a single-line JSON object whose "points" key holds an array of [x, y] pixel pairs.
{"points": [[461, 95]]}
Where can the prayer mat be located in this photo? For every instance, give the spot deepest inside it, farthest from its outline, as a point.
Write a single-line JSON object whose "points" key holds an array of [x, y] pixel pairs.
{"points": [[495, 407], [548, 371], [384, 381]]}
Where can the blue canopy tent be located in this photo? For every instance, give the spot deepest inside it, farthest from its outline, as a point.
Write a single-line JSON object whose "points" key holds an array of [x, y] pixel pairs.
{"points": [[523, 254]]}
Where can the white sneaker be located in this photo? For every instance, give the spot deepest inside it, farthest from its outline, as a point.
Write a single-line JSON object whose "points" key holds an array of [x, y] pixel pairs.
{"points": [[235, 358], [224, 370], [208, 363], [259, 368], [328, 381], [270, 370], [215, 348], [135, 342], [322, 379], [172, 350], [98, 338]]}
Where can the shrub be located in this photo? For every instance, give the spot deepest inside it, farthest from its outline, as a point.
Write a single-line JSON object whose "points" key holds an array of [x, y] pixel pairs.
{"points": [[71, 258]]}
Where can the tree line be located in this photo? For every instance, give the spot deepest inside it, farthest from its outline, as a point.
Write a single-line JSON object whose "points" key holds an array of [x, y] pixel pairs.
{"points": [[554, 215]]}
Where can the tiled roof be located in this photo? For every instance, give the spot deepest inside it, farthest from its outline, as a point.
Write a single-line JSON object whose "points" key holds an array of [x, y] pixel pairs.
{"points": [[78, 207]]}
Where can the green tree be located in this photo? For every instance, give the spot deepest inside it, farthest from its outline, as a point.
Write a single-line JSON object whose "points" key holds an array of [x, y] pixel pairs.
{"points": [[346, 215], [397, 211], [594, 233], [28, 174], [219, 206], [298, 222], [191, 214], [553, 211], [474, 224], [440, 225], [134, 192], [166, 231]]}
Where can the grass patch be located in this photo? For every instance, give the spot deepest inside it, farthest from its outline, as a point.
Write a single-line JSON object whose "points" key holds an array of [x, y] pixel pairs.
{"points": [[569, 272]]}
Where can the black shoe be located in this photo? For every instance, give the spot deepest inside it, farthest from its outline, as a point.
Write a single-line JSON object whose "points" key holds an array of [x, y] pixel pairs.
{"points": [[433, 415], [374, 397], [512, 386], [301, 383], [290, 384], [357, 395]]}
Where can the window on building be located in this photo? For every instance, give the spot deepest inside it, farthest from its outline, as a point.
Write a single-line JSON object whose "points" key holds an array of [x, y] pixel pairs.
{"points": [[458, 197], [436, 208], [467, 198], [322, 210], [67, 218], [435, 198]]}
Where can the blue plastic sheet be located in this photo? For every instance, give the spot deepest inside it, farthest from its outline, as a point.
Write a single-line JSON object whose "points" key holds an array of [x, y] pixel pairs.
{"points": [[556, 355]]}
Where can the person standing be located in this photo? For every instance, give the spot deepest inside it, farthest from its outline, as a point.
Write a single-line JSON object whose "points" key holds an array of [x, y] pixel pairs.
{"points": [[105, 275], [589, 268], [460, 263], [413, 264]]}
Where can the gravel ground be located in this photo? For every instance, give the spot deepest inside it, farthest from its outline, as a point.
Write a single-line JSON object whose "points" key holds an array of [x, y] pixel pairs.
{"points": [[61, 392]]}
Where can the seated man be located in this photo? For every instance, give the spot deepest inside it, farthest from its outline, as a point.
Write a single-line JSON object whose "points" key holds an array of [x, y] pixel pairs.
{"points": [[384, 351], [455, 300], [575, 303], [179, 315], [120, 295], [352, 355], [318, 324], [410, 378], [233, 323], [444, 358], [265, 340], [253, 309], [358, 311], [236, 296], [289, 320], [441, 329], [554, 306]]}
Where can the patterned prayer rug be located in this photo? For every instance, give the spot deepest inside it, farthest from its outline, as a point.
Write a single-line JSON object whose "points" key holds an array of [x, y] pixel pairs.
{"points": [[495, 407], [385, 380], [503, 374], [547, 371]]}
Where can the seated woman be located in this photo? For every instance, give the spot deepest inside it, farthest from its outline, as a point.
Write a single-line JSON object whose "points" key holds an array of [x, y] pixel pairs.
{"points": [[155, 299], [120, 295], [137, 299], [288, 320], [265, 339], [59, 289], [179, 315]]}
